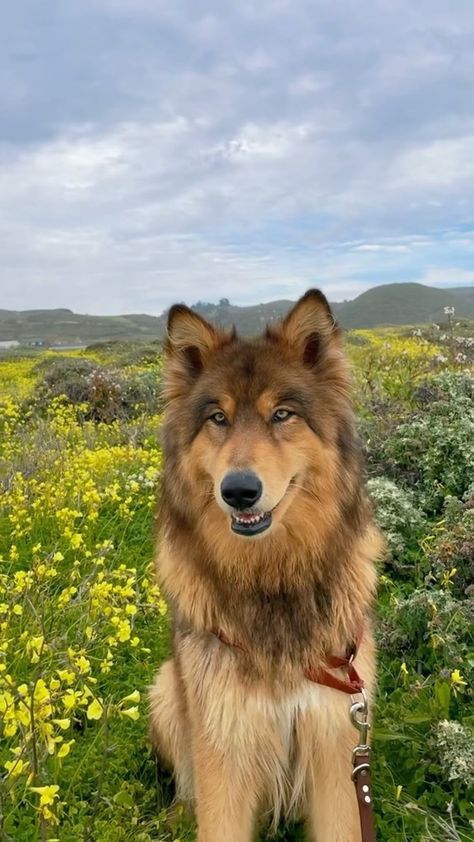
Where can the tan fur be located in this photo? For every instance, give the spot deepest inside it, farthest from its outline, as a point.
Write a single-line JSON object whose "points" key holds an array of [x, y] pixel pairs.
{"points": [[246, 733]]}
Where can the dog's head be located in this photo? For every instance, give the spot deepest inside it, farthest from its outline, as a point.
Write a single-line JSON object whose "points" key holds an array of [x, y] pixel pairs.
{"points": [[254, 427]]}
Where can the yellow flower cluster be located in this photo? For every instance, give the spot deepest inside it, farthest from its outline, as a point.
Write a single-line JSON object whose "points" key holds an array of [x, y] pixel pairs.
{"points": [[389, 363], [17, 377], [75, 588]]}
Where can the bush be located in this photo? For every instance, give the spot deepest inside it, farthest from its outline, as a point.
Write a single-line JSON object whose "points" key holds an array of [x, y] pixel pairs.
{"points": [[64, 376], [397, 513], [455, 745], [106, 393], [451, 550], [433, 629], [432, 452]]}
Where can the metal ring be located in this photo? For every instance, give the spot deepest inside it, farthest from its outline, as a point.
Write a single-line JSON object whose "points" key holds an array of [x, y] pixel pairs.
{"points": [[359, 768]]}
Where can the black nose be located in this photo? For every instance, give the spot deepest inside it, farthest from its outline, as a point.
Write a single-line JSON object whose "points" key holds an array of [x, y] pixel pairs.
{"points": [[241, 490]]}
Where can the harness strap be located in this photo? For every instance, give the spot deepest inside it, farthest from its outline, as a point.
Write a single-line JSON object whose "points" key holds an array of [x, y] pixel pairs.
{"points": [[224, 639], [353, 684]]}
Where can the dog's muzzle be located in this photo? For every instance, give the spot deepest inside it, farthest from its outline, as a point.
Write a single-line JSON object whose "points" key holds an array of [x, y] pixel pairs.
{"points": [[242, 490]]}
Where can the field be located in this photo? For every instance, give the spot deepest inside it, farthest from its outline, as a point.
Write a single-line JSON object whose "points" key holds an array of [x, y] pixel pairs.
{"points": [[83, 625]]}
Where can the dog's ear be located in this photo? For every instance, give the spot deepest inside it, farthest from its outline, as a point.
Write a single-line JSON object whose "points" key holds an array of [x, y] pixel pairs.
{"points": [[190, 338], [190, 343], [309, 328]]}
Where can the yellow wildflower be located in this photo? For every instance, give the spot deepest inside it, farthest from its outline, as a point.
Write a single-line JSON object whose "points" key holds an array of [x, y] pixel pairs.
{"points": [[132, 713], [456, 679], [95, 710], [47, 793]]}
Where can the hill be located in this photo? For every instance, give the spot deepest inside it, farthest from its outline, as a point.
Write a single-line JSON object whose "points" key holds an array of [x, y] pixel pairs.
{"points": [[402, 304], [392, 304], [65, 327]]}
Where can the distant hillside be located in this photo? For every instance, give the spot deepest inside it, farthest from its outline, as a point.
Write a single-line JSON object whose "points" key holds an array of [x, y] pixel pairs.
{"points": [[401, 304], [393, 304], [65, 327]]}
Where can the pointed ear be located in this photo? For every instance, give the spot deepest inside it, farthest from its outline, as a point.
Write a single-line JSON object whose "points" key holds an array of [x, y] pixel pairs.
{"points": [[190, 342], [309, 328]]}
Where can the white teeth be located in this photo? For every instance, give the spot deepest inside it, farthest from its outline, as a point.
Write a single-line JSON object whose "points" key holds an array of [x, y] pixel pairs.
{"points": [[250, 519]]}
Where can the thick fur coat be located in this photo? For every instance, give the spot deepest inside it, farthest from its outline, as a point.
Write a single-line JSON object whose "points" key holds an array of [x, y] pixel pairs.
{"points": [[265, 537]]}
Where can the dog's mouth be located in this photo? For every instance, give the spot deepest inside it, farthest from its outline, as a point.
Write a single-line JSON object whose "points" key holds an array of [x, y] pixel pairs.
{"points": [[250, 523]]}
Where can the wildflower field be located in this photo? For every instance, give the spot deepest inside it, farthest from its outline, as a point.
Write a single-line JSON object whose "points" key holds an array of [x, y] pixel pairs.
{"points": [[83, 625]]}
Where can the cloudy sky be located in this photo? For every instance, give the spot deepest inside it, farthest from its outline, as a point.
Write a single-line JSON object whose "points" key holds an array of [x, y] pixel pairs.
{"points": [[157, 151]]}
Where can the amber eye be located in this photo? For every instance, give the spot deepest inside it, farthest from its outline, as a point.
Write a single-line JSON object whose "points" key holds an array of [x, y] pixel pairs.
{"points": [[218, 418], [281, 415]]}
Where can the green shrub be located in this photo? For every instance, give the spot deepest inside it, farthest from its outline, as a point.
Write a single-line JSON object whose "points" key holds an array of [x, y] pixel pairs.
{"points": [[106, 393], [432, 451], [455, 745], [432, 629], [398, 515], [451, 550]]}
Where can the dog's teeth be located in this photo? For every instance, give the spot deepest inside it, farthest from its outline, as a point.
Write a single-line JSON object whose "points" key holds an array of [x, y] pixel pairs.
{"points": [[248, 519]]}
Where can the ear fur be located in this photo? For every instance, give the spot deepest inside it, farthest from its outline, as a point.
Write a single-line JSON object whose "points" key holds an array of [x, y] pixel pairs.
{"points": [[190, 337], [190, 343], [309, 327]]}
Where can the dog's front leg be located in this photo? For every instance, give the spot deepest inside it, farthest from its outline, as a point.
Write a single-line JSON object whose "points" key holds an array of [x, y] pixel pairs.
{"points": [[333, 814], [225, 794], [332, 801]]}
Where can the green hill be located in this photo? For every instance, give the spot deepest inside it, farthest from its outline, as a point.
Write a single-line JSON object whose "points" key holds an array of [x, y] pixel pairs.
{"points": [[392, 304], [401, 304], [63, 326]]}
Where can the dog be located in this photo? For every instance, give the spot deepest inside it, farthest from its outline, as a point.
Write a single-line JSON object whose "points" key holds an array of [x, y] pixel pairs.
{"points": [[267, 557]]}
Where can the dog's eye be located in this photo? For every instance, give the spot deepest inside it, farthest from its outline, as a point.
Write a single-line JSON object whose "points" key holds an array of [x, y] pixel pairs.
{"points": [[218, 418], [281, 415]]}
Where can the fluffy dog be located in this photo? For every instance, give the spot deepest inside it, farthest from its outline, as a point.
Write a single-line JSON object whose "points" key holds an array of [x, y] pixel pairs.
{"points": [[266, 551]]}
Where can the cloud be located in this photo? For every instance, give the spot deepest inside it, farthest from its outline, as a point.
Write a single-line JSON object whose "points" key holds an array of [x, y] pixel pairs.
{"points": [[381, 247], [174, 152], [440, 165], [448, 276]]}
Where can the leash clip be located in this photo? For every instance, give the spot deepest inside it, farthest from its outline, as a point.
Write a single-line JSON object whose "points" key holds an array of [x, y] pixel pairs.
{"points": [[359, 713]]}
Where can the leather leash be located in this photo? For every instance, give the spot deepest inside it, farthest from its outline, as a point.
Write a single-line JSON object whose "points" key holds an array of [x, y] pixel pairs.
{"points": [[353, 685]]}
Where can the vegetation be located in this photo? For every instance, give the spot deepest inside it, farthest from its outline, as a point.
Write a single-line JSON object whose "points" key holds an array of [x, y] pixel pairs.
{"points": [[83, 626], [391, 304], [108, 392]]}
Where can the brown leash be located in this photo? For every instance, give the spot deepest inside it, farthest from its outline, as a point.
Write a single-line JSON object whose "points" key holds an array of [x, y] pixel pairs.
{"points": [[353, 685]]}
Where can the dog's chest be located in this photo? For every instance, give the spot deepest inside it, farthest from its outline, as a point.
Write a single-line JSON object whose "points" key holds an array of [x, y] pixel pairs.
{"points": [[276, 740], [244, 716]]}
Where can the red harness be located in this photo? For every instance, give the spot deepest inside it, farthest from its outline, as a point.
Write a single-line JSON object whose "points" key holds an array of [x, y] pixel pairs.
{"points": [[351, 685]]}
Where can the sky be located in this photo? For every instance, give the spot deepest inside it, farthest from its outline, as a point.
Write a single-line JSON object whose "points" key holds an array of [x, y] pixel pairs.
{"points": [[153, 152]]}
